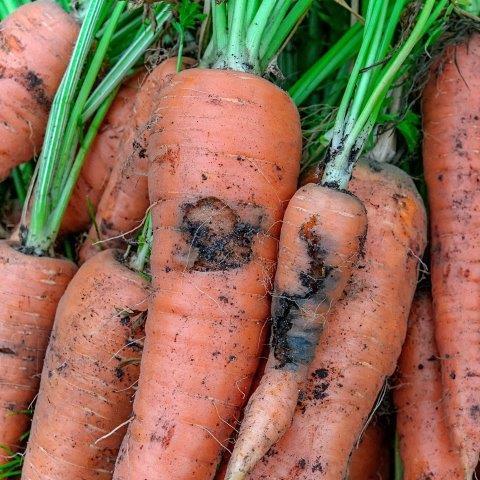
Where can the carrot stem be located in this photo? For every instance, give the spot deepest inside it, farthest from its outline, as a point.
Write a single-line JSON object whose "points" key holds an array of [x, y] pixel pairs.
{"points": [[126, 62], [144, 246]]}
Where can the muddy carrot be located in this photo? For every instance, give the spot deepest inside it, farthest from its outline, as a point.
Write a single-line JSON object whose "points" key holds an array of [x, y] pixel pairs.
{"points": [[35, 46], [362, 340], [91, 367], [224, 154], [452, 168], [425, 446]]}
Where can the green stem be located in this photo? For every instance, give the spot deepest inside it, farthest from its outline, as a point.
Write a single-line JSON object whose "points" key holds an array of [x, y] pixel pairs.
{"points": [[278, 15], [74, 126], [144, 246], [126, 62], [256, 29], [20, 188], [236, 58], [336, 56], [55, 220], [285, 29], [219, 15], [252, 8], [57, 122], [181, 40], [398, 464], [338, 169]]}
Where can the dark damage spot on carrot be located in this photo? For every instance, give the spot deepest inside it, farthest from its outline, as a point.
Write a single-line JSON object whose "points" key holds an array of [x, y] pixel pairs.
{"points": [[302, 463], [7, 351], [475, 412], [317, 466], [164, 437], [34, 84], [219, 239], [320, 373]]}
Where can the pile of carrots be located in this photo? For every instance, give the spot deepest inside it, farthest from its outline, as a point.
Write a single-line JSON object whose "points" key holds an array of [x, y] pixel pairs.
{"points": [[238, 240]]}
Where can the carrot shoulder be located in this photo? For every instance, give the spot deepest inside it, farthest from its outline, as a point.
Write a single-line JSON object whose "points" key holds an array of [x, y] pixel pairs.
{"points": [[29, 292], [224, 159], [35, 46], [451, 156], [425, 445], [362, 340], [86, 389]]}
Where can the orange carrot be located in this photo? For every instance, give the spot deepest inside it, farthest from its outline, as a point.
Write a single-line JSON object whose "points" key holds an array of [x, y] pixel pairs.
{"points": [[362, 340], [125, 199], [105, 152], [36, 41], [86, 390], [425, 447], [370, 460], [451, 153], [224, 151], [29, 292], [322, 233]]}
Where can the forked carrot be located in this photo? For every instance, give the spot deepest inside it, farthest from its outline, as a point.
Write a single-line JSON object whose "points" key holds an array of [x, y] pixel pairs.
{"points": [[425, 446]]}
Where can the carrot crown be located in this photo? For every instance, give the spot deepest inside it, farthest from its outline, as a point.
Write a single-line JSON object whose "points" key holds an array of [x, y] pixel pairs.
{"points": [[248, 34], [78, 108], [375, 69]]}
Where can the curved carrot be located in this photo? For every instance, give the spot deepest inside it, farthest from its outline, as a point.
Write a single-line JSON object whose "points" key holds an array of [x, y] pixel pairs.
{"points": [[425, 446], [362, 340], [370, 460], [452, 168], [104, 154], [322, 234], [125, 199], [29, 292], [86, 390], [225, 151], [35, 46]]}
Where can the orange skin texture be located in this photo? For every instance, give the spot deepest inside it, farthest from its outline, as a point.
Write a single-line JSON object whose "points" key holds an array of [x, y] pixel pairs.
{"points": [[86, 391], [320, 241], [30, 290], [225, 150], [451, 158], [125, 199], [425, 446], [35, 46], [362, 340], [371, 459], [105, 153]]}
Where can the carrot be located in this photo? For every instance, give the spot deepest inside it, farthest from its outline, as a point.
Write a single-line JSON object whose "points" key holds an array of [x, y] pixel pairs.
{"points": [[452, 168], [104, 154], [362, 340], [424, 442], [370, 459], [35, 46], [215, 233], [125, 200], [86, 390], [29, 291]]}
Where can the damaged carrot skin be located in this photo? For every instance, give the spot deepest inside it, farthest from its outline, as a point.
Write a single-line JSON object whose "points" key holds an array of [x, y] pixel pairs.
{"points": [[371, 459], [322, 235], [105, 153], [29, 292], [216, 229], [35, 46], [425, 446], [362, 340], [86, 391], [125, 200], [451, 162]]}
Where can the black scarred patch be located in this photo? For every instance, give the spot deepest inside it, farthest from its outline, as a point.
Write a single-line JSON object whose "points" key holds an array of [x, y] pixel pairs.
{"points": [[7, 351], [218, 237], [34, 84], [293, 342]]}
